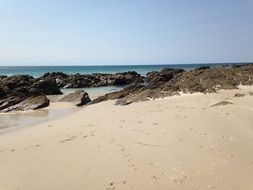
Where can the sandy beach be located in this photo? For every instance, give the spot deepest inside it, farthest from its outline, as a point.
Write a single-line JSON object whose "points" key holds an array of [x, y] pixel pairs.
{"points": [[180, 142]]}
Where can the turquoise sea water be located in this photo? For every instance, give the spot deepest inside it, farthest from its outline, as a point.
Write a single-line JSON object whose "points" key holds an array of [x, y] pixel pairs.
{"points": [[94, 92], [37, 71]]}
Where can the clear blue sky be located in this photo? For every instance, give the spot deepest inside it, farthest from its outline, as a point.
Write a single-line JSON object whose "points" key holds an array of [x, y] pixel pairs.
{"points": [[125, 31]]}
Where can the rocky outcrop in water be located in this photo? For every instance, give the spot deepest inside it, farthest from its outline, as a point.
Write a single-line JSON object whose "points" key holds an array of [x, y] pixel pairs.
{"points": [[169, 82], [23, 92], [93, 80]]}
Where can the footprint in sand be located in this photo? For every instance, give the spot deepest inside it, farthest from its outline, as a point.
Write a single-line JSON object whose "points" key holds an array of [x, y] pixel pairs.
{"points": [[155, 178], [179, 180], [210, 187], [125, 154], [69, 139], [89, 125], [164, 132], [147, 144], [225, 162], [222, 103], [176, 117], [228, 138], [92, 133], [138, 130], [112, 185], [66, 140]]}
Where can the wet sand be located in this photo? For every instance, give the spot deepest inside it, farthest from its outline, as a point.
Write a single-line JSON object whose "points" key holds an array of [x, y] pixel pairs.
{"points": [[17, 120], [182, 142]]}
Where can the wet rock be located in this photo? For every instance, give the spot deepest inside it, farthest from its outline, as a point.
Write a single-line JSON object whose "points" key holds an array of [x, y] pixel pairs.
{"points": [[79, 97]]}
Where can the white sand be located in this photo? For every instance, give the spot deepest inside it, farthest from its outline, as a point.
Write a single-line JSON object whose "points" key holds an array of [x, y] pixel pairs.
{"points": [[173, 143]]}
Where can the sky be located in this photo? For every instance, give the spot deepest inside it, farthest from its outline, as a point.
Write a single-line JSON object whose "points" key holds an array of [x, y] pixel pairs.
{"points": [[97, 32]]}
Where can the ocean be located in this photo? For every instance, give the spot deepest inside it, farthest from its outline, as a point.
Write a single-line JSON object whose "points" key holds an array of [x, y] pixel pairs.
{"points": [[37, 71]]}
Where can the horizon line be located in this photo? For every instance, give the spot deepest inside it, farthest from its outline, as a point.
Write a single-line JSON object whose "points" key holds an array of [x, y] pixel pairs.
{"points": [[145, 64]]}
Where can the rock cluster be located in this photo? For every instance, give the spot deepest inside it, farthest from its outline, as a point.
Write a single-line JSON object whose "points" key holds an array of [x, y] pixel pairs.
{"points": [[93, 80], [23, 92], [169, 82]]}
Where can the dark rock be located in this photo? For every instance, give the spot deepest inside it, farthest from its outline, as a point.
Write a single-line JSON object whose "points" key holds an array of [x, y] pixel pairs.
{"points": [[10, 101], [79, 97], [2, 77], [169, 82], [45, 87], [55, 75], [31, 103], [20, 91], [3, 92], [119, 94], [203, 68], [164, 75], [93, 80]]}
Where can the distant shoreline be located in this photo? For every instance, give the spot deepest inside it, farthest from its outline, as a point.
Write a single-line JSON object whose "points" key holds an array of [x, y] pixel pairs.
{"points": [[37, 71], [118, 65]]}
